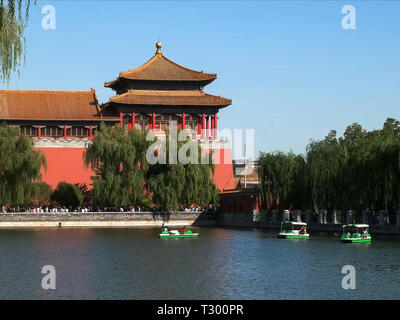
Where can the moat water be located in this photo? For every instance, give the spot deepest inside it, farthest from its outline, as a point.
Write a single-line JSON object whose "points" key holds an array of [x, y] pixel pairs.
{"points": [[221, 264]]}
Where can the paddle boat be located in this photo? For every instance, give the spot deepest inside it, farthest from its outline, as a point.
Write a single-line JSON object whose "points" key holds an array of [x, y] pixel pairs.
{"points": [[355, 233], [293, 230], [175, 234]]}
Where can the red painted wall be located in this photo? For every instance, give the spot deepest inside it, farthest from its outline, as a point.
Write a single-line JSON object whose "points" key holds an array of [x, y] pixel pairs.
{"points": [[66, 164], [239, 202], [224, 170]]}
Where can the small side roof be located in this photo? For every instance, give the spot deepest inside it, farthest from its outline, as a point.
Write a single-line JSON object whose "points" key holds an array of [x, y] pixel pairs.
{"points": [[50, 105]]}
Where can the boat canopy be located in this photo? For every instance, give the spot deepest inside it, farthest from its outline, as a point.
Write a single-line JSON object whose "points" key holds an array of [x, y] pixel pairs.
{"points": [[295, 223], [356, 225], [171, 224]]}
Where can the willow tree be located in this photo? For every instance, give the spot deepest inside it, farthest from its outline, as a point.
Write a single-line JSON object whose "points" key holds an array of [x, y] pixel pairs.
{"points": [[118, 158], [283, 178], [20, 167], [357, 171], [270, 173], [182, 184], [371, 171], [325, 161], [354, 178], [382, 170], [14, 15]]}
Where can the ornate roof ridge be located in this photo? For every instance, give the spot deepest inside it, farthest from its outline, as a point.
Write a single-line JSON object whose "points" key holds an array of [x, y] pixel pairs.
{"points": [[161, 56], [166, 70]]}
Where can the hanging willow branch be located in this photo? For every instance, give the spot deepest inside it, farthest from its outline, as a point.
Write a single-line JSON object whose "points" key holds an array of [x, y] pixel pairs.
{"points": [[20, 167], [14, 16]]}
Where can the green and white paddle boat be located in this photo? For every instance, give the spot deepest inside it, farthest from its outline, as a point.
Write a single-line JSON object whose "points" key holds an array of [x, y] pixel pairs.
{"points": [[293, 230], [175, 234], [353, 233]]}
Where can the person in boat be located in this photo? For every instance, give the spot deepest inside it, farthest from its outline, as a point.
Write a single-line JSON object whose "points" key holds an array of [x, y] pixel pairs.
{"points": [[365, 233], [165, 228], [184, 230]]}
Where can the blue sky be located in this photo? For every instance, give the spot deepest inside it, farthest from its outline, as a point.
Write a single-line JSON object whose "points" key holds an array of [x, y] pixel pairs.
{"points": [[292, 71]]}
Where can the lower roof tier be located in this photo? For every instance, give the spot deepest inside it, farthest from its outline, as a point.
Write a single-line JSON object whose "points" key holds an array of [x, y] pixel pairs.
{"points": [[195, 98], [34, 106]]}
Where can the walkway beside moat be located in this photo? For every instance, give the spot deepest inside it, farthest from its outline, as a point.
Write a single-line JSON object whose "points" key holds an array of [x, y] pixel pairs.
{"points": [[380, 223], [103, 219]]}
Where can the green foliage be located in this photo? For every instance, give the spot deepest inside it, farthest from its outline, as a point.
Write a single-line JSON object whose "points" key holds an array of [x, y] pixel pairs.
{"points": [[67, 195], [324, 165], [86, 193], [41, 194], [174, 185], [356, 171], [282, 177], [118, 159], [123, 176], [13, 20], [19, 167]]}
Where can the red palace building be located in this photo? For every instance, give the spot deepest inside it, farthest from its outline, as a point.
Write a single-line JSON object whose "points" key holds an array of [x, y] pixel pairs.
{"points": [[63, 123]]}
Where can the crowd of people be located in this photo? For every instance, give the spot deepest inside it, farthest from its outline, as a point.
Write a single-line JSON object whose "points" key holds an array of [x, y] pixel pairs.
{"points": [[87, 209]]}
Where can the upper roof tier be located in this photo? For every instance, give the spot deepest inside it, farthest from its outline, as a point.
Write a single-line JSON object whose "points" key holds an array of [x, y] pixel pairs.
{"points": [[50, 105], [160, 68]]}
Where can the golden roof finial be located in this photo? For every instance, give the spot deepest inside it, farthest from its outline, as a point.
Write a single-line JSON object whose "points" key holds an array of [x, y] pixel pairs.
{"points": [[158, 46]]}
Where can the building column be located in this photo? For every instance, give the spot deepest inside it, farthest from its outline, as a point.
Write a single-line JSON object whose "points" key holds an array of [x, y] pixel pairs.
{"points": [[398, 219], [286, 215], [309, 216], [383, 218], [212, 127], [183, 120], [208, 127], [215, 126], [275, 215], [153, 122], [349, 217], [91, 133], [133, 120], [38, 131], [297, 215], [336, 214], [366, 216], [321, 216], [199, 128], [120, 120], [203, 126], [65, 131]]}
